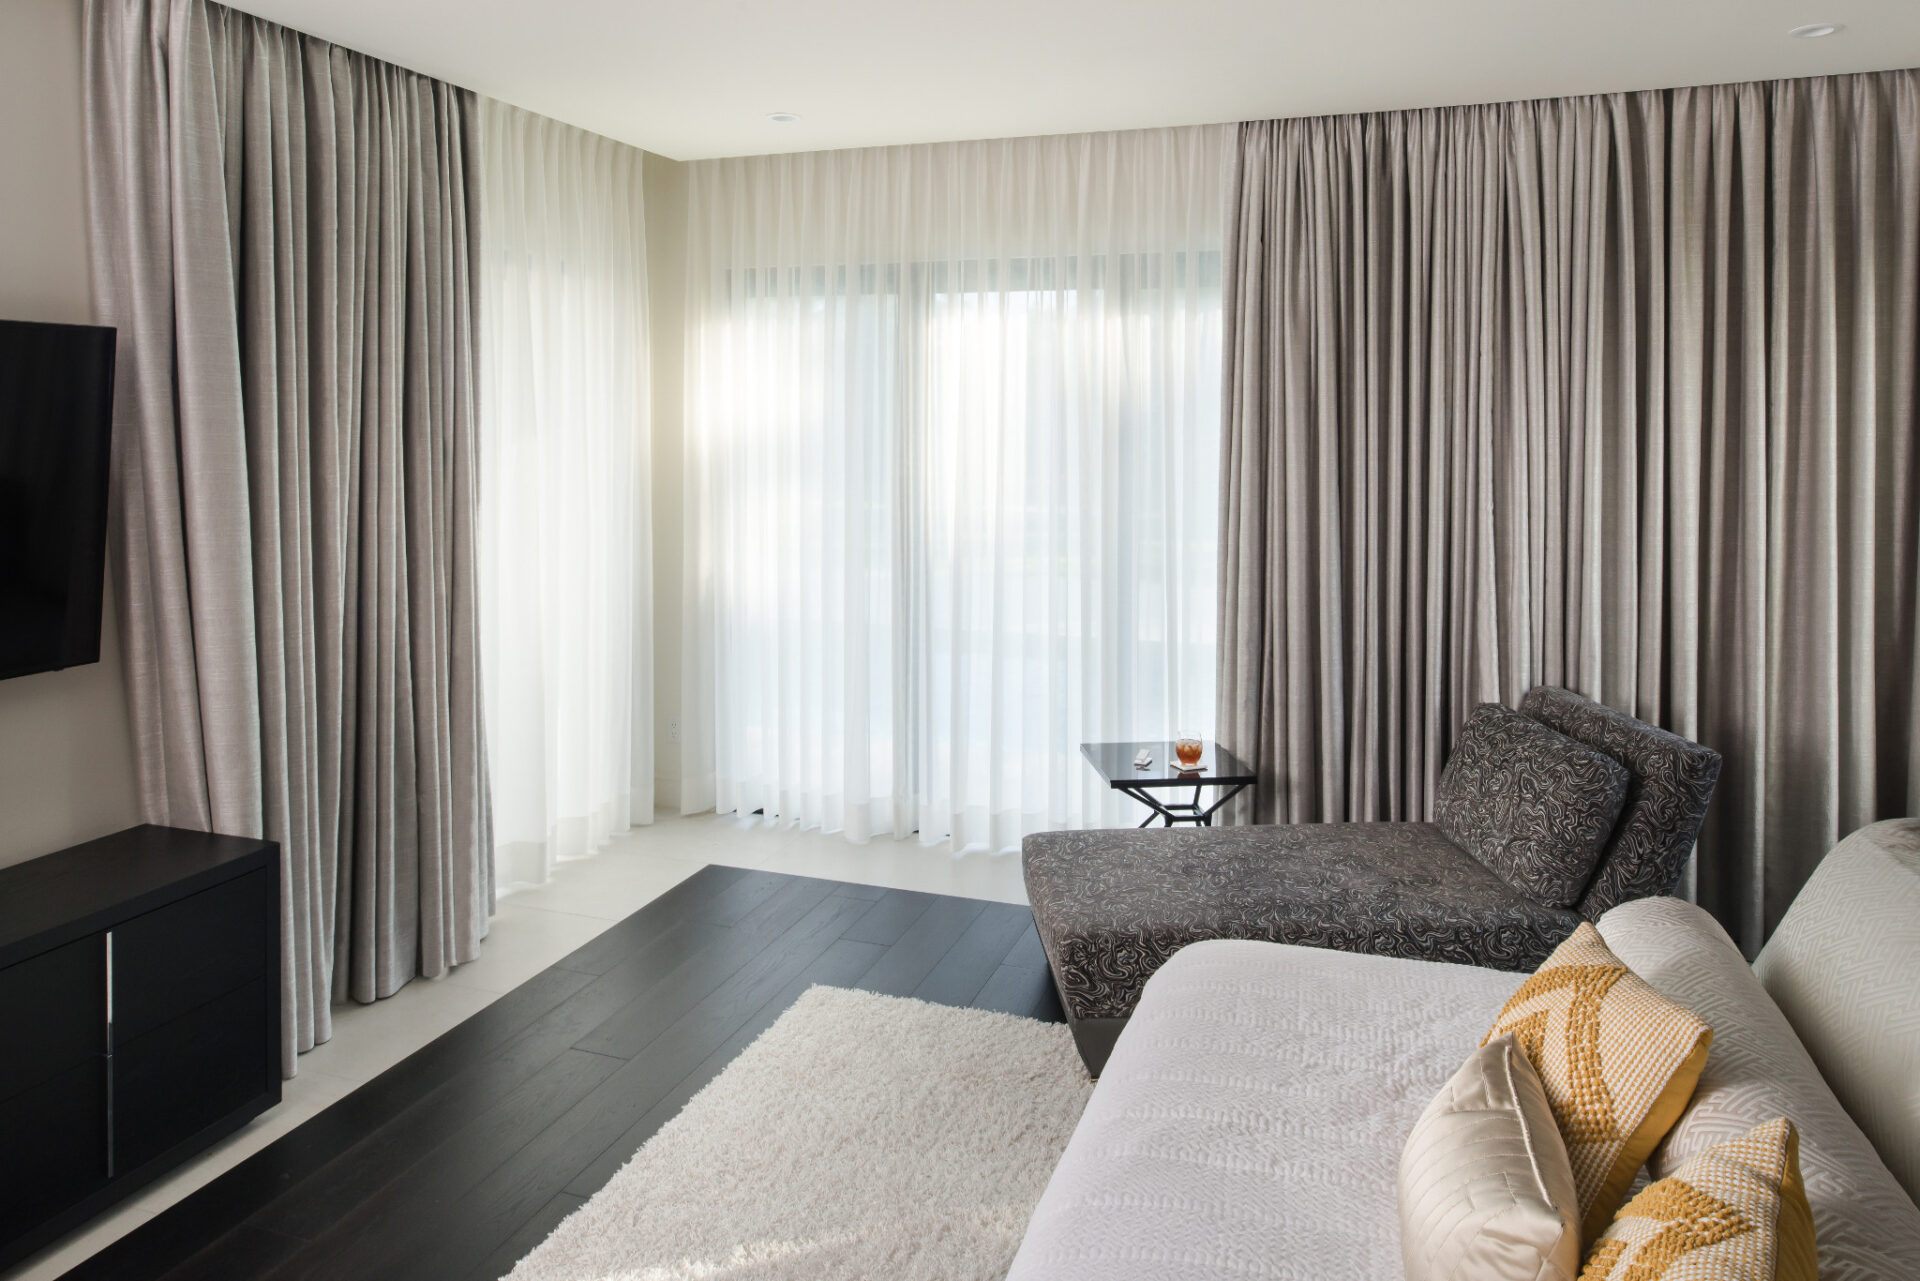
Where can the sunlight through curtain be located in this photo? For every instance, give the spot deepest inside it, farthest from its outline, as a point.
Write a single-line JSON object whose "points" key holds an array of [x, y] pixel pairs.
{"points": [[566, 569], [953, 473]]}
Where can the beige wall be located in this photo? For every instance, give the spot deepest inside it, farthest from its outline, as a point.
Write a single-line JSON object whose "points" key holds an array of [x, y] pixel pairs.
{"points": [[66, 757], [665, 182]]}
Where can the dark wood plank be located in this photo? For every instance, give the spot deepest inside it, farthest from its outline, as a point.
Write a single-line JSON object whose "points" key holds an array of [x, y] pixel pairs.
{"points": [[1028, 952], [631, 1029], [893, 914], [906, 964], [971, 961], [244, 1252], [748, 891], [493, 1026], [675, 906], [795, 897]]}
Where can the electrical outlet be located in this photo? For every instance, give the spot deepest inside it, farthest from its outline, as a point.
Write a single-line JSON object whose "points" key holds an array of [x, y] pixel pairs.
{"points": [[673, 731]]}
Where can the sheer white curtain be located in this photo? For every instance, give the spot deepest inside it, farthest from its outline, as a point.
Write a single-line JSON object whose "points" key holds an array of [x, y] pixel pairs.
{"points": [[566, 578], [953, 417]]}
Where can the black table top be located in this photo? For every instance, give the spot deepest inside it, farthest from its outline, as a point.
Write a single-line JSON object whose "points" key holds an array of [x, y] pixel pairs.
{"points": [[1114, 762]]}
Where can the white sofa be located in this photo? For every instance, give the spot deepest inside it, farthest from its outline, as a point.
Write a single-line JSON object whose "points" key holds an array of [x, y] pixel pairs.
{"points": [[1250, 1121]]}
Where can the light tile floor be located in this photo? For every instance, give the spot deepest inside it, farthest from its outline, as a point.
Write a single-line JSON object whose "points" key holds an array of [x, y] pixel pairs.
{"points": [[532, 929]]}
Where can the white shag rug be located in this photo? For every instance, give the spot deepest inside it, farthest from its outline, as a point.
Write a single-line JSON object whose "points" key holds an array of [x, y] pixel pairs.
{"points": [[860, 1136]]}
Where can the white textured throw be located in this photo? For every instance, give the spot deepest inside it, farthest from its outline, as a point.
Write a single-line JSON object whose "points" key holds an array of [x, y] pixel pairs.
{"points": [[1250, 1121], [861, 1136]]}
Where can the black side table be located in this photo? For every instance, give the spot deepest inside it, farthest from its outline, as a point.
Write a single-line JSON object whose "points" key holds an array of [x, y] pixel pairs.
{"points": [[1217, 768]]}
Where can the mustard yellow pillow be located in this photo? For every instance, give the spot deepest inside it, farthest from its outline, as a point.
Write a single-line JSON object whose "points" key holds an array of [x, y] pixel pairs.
{"points": [[1736, 1212], [1618, 1060]]}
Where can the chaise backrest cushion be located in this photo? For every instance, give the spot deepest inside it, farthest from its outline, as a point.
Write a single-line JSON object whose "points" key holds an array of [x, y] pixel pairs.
{"points": [[1532, 806], [1671, 782], [1844, 967]]}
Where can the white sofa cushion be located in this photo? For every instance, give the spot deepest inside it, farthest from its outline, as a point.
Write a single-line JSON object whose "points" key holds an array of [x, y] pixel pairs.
{"points": [[1844, 967], [1251, 1118], [1866, 1227]]}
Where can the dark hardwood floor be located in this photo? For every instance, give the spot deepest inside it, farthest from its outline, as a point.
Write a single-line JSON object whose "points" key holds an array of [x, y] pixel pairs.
{"points": [[461, 1158]]}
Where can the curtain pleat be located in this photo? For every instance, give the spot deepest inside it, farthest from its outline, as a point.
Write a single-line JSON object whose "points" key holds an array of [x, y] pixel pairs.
{"points": [[280, 231], [1614, 393]]}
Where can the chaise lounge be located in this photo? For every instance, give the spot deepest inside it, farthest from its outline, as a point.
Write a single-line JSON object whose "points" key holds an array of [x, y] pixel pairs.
{"points": [[1544, 818]]}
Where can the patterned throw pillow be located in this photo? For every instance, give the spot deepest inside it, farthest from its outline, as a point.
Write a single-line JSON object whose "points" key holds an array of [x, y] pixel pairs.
{"points": [[1736, 1212], [1618, 1060], [1533, 806]]}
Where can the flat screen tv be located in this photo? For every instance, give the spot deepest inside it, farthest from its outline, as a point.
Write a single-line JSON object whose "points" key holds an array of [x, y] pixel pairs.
{"points": [[56, 418]]}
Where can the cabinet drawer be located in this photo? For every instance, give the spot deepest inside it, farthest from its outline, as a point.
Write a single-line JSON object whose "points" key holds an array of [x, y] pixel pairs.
{"points": [[53, 1009], [187, 1074], [54, 1137], [177, 958]]}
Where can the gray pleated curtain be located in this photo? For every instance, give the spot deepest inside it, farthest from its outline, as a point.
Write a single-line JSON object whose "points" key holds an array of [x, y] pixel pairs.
{"points": [[281, 232], [1615, 393]]}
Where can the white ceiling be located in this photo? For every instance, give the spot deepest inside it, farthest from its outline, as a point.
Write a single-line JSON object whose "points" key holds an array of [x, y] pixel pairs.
{"points": [[697, 78]]}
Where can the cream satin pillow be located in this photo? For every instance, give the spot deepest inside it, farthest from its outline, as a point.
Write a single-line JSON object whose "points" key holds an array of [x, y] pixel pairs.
{"points": [[1618, 1060], [1486, 1193], [1736, 1212]]}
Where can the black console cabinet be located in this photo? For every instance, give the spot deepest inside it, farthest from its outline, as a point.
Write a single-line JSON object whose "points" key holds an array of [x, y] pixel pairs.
{"points": [[139, 1017]]}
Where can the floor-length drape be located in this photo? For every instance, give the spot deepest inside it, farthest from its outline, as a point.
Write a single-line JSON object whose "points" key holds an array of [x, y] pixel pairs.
{"points": [[280, 232], [565, 560], [953, 416], [1615, 393]]}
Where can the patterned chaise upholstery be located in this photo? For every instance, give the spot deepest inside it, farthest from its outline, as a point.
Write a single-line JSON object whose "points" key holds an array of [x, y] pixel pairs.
{"points": [[1118, 903], [1113, 905]]}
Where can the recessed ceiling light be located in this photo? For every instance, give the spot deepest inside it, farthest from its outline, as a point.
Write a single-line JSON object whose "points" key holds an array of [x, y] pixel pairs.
{"points": [[1815, 31], [783, 117]]}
